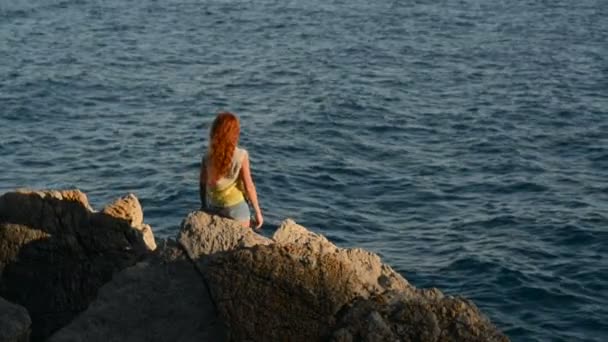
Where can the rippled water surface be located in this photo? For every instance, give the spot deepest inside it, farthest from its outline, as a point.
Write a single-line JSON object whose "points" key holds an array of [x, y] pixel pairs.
{"points": [[464, 141]]}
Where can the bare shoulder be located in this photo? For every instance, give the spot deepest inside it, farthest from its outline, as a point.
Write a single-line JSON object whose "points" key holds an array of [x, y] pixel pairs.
{"points": [[242, 154]]}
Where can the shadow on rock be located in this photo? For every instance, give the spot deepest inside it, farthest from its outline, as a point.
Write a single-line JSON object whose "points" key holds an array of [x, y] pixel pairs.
{"points": [[14, 322], [55, 251], [162, 298]]}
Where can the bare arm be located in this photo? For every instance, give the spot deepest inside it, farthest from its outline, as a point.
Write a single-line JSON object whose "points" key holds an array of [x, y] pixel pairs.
{"points": [[250, 191], [202, 185]]}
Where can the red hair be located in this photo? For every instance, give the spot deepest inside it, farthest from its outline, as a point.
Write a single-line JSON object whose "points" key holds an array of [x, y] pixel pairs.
{"points": [[223, 139]]}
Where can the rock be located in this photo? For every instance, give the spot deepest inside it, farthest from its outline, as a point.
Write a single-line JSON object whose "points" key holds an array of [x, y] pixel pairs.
{"points": [[146, 236], [126, 208], [277, 293], [161, 299], [300, 287], [34, 208], [294, 287], [55, 252], [375, 276], [14, 322], [424, 317], [129, 209], [203, 234], [12, 237]]}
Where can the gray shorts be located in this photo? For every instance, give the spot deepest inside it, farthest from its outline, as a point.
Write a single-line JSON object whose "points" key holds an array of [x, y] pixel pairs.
{"points": [[239, 211]]}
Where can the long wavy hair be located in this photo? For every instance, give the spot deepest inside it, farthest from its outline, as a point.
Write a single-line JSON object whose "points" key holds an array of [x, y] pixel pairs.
{"points": [[223, 138]]}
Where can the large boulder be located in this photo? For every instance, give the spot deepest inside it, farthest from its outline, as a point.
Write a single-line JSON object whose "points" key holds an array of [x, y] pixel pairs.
{"points": [[55, 252], [14, 322], [426, 316], [277, 293], [301, 287], [160, 299], [294, 287]]}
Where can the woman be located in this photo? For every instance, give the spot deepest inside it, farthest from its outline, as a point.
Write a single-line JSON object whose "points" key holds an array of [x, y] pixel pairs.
{"points": [[225, 180]]}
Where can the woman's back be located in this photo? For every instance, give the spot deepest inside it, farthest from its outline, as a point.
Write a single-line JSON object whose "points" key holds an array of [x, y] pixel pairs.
{"points": [[227, 190], [225, 182]]}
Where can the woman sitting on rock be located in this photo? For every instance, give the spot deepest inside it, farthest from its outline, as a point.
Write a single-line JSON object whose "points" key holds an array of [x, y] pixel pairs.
{"points": [[225, 180]]}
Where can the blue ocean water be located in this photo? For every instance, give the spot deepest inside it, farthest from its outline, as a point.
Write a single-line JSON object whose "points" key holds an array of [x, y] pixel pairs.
{"points": [[466, 142]]}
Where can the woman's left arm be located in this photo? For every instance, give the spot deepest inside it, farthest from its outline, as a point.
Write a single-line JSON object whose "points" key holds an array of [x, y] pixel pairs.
{"points": [[250, 191], [202, 185]]}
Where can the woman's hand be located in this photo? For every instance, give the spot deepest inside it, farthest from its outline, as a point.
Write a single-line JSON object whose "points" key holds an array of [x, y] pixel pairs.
{"points": [[259, 220]]}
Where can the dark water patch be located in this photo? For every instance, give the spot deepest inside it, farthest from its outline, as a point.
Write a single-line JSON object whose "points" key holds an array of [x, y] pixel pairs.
{"points": [[498, 188], [570, 235]]}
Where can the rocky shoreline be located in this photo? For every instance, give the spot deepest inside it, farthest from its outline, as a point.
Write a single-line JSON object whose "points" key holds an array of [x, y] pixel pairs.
{"points": [[70, 273]]}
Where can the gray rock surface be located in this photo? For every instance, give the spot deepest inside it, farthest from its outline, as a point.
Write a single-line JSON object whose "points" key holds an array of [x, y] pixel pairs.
{"points": [[301, 287], [161, 299], [55, 252], [14, 322], [277, 293], [374, 276], [426, 315], [203, 234]]}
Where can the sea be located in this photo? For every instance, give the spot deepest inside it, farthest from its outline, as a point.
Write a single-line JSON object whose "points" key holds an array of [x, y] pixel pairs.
{"points": [[464, 141]]}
